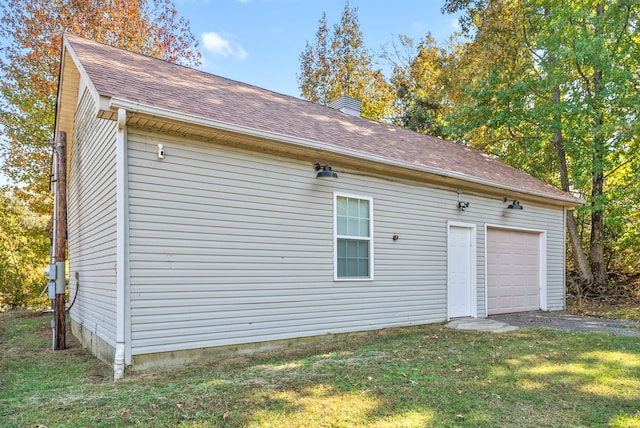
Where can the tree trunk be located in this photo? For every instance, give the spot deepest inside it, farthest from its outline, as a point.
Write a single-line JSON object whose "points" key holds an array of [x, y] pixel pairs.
{"points": [[579, 258], [598, 202], [596, 247]]}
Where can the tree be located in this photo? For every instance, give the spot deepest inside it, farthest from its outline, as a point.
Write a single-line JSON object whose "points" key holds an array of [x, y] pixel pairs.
{"points": [[420, 81], [563, 80], [338, 65], [24, 246], [29, 66]]}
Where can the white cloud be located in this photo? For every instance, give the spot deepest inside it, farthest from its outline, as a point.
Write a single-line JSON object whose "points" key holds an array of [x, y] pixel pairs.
{"points": [[455, 24], [223, 45], [417, 26]]}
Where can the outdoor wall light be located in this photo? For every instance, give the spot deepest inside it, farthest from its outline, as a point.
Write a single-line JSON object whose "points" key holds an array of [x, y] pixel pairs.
{"points": [[515, 205], [325, 172], [463, 205]]}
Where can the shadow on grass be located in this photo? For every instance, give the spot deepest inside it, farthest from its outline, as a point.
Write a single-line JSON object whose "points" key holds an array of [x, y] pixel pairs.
{"points": [[426, 376], [472, 379]]}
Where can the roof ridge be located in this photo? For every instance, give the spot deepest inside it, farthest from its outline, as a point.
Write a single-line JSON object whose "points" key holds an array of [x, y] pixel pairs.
{"points": [[118, 73]]}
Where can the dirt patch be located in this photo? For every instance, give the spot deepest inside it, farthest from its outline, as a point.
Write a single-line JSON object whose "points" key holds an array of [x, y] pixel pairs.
{"points": [[623, 308], [21, 314]]}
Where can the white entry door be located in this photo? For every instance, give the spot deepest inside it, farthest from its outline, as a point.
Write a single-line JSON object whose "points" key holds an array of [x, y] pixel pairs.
{"points": [[461, 287]]}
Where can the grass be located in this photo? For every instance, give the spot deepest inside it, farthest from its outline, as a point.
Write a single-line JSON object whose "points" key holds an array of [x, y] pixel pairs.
{"points": [[423, 376]]}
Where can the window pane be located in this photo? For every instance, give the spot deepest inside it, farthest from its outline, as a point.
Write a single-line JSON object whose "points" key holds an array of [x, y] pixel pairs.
{"points": [[363, 268], [341, 205], [363, 250], [364, 228], [353, 207], [352, 249], [352, 267], [353, 258], [353, 227], [342, 249], [364, 208], [342, 268], [343, 228]]}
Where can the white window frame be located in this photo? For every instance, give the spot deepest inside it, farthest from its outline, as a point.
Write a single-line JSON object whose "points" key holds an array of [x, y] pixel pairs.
{"points": [[336, 195]]}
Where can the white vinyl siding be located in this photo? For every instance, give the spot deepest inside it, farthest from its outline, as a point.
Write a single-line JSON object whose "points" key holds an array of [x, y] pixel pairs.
{"points": [[229, 246], [92, 221], [353, 244]]}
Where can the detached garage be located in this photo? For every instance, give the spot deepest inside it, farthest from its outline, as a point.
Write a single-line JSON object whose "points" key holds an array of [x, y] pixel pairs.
{"points": [[514, 270], [208, 216]]}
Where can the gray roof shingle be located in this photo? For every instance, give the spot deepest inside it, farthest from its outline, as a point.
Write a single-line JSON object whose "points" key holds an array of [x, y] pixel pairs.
{"points": [[140, 79]]}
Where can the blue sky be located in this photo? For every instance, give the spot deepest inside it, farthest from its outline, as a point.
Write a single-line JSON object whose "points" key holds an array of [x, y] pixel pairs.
{"points": [[260, 41]]}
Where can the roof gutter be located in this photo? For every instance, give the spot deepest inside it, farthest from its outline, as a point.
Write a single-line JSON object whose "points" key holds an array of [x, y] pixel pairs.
{"points": [[134, 107]]}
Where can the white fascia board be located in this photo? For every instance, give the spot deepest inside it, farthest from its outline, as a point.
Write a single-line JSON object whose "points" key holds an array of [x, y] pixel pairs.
{"points": [[135, 107], [83, 74]]}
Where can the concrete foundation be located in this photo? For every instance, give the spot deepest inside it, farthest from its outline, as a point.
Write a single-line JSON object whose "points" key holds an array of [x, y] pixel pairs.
{"points": [[98, 347], [167, 360]]}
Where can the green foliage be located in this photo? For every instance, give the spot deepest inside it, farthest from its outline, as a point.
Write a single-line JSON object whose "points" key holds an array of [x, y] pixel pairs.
{"points": [[31, 34], [553, 90], [24, 249], [338, 64], [420, 79]]}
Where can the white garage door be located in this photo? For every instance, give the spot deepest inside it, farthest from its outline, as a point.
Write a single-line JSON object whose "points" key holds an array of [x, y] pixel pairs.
{"points": [[513, 271]]}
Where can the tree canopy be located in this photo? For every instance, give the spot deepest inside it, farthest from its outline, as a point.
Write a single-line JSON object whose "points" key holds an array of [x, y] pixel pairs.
{"points": [[551, 87], [421, 72], [31, 31], [556, 93], [24, 244], [338, 64]]}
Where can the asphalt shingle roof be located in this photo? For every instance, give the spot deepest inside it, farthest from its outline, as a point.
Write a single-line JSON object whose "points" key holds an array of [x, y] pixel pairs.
{"points": [[140, 79]]}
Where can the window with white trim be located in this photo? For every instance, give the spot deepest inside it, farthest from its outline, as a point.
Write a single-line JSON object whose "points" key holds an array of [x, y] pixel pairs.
{"points": [[353, 237]]}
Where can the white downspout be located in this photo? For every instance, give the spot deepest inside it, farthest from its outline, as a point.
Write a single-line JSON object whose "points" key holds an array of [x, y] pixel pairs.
{"points": [[121, 243]]}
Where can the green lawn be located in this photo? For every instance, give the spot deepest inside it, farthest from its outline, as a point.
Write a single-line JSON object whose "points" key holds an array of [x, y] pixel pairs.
{"points": [[425, 376]]}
